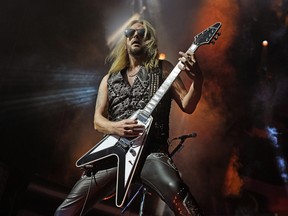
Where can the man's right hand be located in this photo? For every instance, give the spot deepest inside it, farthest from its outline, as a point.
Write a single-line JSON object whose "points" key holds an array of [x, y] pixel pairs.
{"points": [[128, 128]]}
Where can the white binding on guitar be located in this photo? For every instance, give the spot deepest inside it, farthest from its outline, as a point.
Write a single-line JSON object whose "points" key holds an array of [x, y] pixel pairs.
{"points": [[126, 150]]}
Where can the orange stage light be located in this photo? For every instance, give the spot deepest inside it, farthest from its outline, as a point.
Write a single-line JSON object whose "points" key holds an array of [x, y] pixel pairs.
{"points": [[265, 43]]}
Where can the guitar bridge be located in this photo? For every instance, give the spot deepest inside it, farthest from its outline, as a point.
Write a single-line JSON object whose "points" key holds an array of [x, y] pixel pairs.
{"points": [[123, 144]]}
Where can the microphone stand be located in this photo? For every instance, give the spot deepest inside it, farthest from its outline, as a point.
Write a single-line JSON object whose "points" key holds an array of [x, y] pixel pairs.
{"points": [[144, 189], [178, 147]]}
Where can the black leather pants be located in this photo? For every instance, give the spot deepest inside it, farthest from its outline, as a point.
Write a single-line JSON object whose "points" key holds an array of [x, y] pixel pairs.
{"points": [[159, 173]]}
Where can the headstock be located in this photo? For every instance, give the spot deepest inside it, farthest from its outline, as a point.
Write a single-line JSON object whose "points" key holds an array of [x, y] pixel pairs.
{"points": [[209, 35]]}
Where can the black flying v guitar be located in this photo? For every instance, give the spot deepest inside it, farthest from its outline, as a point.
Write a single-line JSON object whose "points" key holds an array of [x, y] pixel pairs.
{"points": [[127, 151]]}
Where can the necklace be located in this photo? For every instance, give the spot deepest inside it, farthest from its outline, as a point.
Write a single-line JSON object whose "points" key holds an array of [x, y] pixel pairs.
{"points": [[132, 75]]}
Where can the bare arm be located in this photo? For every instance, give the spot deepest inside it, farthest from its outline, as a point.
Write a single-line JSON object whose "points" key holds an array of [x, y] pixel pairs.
{"points": [[124, 127], [187, 100]]}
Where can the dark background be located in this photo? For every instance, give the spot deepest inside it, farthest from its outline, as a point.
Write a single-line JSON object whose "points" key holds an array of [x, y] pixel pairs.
{"points": [[52, 58]]}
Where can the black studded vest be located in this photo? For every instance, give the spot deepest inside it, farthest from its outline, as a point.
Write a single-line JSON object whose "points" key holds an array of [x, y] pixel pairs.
{"points": [[124, 100]]}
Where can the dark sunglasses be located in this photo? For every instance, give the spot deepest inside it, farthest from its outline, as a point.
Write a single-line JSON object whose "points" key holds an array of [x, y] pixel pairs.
{"points": [[130, 32]]}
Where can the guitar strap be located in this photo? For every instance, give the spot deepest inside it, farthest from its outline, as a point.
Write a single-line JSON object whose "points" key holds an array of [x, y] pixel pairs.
{"points": [[155, 78]]}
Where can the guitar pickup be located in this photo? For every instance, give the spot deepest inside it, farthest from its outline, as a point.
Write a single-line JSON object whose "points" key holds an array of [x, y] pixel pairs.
{"points": [[142, 117]]}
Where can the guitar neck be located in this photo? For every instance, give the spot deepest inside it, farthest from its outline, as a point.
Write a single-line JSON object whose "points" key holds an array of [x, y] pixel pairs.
{"points": [[154, 101], [205, 37]]}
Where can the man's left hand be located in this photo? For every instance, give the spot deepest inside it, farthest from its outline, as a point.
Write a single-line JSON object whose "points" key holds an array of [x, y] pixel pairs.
{"points": [[187, 60]]}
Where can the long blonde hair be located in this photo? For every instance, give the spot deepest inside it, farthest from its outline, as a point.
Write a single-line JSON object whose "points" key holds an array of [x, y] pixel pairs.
{"points": [[119, 55]]}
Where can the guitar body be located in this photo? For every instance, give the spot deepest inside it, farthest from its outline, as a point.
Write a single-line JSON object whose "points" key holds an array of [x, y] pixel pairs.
{"points": [[127, 153]]}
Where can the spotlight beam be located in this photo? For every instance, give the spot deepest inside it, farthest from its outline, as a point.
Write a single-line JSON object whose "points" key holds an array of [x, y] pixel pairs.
{"points": [[113, 38]]}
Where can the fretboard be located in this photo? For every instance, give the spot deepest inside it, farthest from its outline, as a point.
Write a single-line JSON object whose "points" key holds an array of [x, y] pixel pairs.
{"points": [[165, 86]]}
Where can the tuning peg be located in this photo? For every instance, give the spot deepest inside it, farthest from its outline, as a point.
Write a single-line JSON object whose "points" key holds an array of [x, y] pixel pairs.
{"points": [[215, 37], [213, 42], [219, 33]]}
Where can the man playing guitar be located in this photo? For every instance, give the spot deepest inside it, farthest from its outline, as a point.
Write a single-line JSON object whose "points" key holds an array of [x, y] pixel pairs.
{"points": [[135, 75]]}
